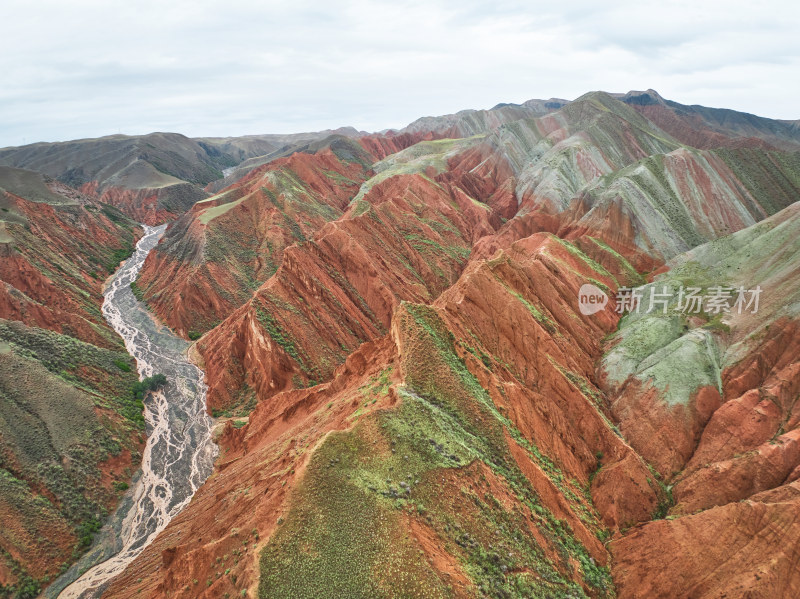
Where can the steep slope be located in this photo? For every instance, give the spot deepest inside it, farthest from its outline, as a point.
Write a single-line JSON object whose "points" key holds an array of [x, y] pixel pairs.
{"points": [[706, 128], [594, 167], [506, 158], [407, 238], [213, 258], [476, 449], [598, 168], [554, 156], [70, 425], [676, 201], [415, 403], [57, 247], [436, 440], [710, 399]]}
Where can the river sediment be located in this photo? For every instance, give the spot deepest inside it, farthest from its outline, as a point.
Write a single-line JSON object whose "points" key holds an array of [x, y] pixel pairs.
{"points": [[179, 454]]}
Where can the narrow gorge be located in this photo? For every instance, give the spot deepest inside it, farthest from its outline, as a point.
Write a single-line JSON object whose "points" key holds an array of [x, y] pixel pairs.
{"points": [[179, 454]]}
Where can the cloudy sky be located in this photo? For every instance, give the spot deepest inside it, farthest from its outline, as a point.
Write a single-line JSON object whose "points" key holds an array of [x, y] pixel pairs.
{"points": [[89, 68]]}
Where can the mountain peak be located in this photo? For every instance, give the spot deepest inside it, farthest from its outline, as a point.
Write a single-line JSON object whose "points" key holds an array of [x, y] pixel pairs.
{"points": [[641, 98]]}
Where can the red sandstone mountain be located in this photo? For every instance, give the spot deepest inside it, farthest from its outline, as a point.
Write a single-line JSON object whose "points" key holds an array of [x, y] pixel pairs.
{"points": [[412, 403], [462, 435]]}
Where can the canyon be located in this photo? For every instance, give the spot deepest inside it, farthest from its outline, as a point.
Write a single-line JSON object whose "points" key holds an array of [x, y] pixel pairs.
{"points": [[408, 400]]}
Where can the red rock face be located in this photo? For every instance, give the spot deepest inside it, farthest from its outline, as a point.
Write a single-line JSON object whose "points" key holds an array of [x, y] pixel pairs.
{"points": [[42, 286], [356, 270], [538, 366], [731, 461], [141, 205], [365, 326], [668, 436], [211, 259], [761, 396], [151, 206], [727, 551], [484, 176], [280, 426], [381, 146], [613, 225], [548, 366]]}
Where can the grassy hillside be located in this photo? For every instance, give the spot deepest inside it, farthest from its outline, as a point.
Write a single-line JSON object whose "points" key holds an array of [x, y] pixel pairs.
{"points": [[71, 428]]}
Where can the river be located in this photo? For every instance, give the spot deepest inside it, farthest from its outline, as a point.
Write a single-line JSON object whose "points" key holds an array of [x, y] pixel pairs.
{"points": [[179, 454]]}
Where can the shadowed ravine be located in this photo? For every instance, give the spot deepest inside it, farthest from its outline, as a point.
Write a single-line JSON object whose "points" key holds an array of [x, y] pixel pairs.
{"points": [[179, 454]]}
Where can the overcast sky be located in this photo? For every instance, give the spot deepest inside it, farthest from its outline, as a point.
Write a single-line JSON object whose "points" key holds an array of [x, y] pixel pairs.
{"points": [[90, 68]]}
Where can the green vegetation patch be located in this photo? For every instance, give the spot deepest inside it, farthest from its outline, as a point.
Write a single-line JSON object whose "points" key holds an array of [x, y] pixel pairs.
{"points": [[119, 255], [440, 376], [633, 277], [772, 178], [344, 534], [209, 214], [52, 439], [108, 376], [278, 335], [540, 316], [137, 291], [340, 540], [458, 252], [149, 383]]}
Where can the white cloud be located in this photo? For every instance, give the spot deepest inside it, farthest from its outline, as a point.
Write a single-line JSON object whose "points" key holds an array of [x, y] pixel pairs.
{"points": [[89, 68]]}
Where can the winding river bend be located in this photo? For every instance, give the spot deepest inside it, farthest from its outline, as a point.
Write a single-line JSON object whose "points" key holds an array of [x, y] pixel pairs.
{"points": [[179, 453]]}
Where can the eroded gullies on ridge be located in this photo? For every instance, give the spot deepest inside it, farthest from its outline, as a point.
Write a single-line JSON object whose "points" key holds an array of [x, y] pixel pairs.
{"points": [[391, 323]]}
